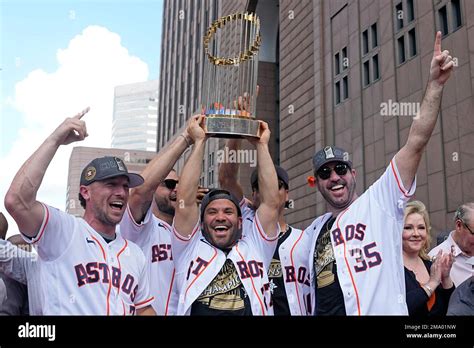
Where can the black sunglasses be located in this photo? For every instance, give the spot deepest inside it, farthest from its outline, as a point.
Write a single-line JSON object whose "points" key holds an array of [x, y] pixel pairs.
{"points": [[170, 184], [325, 172], [280, 185]]}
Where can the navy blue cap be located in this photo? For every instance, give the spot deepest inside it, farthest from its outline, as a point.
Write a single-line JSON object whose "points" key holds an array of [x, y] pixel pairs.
{"points": [[330, 154], [108, 167]]}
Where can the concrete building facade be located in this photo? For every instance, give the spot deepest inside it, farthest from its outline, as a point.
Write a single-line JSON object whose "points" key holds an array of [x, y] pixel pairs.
{"points": [[135, 116], [352, 74]]}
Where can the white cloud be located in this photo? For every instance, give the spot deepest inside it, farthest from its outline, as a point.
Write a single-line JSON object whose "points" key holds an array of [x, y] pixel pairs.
{"points": [[88, 70]]}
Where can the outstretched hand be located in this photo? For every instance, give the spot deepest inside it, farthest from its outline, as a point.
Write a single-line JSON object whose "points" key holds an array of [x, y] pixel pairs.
{"points": [[442, 63], [72, 129]]}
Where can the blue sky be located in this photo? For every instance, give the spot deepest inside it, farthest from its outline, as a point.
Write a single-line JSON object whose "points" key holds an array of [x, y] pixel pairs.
{"points": [[32, 31], [58, 57]]}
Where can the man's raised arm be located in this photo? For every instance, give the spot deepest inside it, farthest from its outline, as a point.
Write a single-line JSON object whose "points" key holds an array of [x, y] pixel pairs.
{"points": [[187, 211], [267, 183], [20, 200], [229, 172], [142, 196], [409, 156]]}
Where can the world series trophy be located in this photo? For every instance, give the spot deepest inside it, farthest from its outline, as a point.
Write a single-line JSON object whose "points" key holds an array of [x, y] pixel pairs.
{"points": [[229, 86]]}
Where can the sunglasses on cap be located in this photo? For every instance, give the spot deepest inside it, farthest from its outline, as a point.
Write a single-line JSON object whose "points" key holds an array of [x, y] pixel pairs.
{"points": [[280, 185], [170, 183], [325, 172]]}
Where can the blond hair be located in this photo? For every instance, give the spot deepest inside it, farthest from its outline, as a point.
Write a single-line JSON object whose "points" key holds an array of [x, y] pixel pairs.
{"points": [[417, 207]]}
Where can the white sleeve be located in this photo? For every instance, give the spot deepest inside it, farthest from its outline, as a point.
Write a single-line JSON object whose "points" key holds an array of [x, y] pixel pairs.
{"points": [[137, 233], [390, 193], [143, 297], [14, 261], [247, 212], [265, 246], [55, 234], [180, 246]]}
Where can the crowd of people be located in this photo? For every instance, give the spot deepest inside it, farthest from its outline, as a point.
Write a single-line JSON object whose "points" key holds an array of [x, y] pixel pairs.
{"points": [[158, 243]]}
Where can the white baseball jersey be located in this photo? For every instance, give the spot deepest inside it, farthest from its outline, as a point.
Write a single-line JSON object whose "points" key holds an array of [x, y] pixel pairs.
{"points": [[83, 274], [367, 243], [198, 262], [23, 266], [294, 254], [153, 236]]}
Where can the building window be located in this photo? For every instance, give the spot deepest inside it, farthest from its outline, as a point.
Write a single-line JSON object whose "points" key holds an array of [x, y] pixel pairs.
{"points": [[345, 60], [341, 72], [365, 42], [338, 92], [370, 61], [399, 15], [412, 42], [410, 11], [374, 35], [375, 67], [366, 73], [401, 49], [449, 16], [337, 63], [443, 20], [345, 89], [456, 11]]}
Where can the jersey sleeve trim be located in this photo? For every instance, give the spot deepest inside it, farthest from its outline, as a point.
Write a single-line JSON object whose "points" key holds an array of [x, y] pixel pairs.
{"points": [[132, 219], [261, 231], [145, 303], [184, 239], [36, 239], [406, 193]]}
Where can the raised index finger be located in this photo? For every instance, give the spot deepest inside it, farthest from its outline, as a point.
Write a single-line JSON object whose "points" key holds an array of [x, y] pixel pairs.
{"points": [[82, 113], [437, 45]]}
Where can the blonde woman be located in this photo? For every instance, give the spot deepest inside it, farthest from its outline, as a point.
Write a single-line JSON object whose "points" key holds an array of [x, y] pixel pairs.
{"points": [[427, 282]]}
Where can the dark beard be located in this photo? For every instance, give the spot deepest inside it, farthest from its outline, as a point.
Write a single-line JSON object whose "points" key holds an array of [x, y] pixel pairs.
{"points": [[343, 205], [165, 207], [237, 235]]}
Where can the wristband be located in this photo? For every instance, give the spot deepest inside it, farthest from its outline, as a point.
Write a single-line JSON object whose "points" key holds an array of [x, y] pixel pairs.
{"points": [[185, 139]]}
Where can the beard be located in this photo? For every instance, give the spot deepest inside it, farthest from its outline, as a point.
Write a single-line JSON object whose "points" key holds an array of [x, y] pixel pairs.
{"points": [[164, 205], [338, 204], [236, 234]]}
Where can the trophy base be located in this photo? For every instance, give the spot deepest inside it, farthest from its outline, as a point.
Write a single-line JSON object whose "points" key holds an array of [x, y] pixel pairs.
{"points": [[218, 126]]}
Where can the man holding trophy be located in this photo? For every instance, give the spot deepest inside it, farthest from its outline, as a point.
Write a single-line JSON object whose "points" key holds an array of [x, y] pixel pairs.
{"points": [[222, 264]]}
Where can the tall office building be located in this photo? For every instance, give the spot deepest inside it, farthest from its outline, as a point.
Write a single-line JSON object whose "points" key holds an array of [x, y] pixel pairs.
{"points": [[135, 116], [182, 62], [135, 161], [349, 73]]}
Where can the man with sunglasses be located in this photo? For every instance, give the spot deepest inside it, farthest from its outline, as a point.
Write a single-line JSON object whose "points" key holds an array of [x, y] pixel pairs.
{"points": [[221, 269], [461, 243], [356, 250], [149, 217]]}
